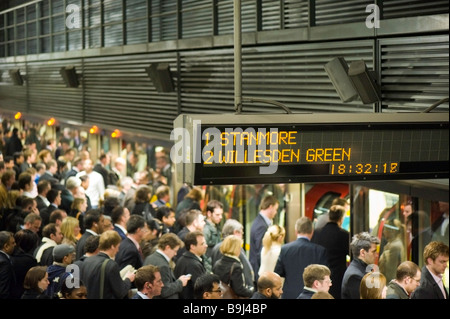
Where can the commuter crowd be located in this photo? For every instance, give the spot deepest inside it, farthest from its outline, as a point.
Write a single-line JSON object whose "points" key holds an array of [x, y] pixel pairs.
{"points": [[75, 227]]}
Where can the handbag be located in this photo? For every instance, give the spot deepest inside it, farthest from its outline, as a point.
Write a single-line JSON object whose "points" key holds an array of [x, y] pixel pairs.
{"points": [[228, 292]]}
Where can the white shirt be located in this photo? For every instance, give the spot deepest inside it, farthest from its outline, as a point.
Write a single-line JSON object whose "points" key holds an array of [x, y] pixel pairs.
{"points": [[96, 189]]}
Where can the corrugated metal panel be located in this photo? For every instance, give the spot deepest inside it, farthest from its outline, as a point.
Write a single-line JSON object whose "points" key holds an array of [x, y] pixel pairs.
{"points": [[119, 93], [415, 72], [196, 17], [408, 8], [225, 16], [163, 20], [296, 13], [292, 74], [136, 22], [345, 11], [13, 98], [48, 93], [113, 16]]}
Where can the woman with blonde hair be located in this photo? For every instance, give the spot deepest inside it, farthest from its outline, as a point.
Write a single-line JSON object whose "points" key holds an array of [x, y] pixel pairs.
{"points": [[230, 269], [78, 208], [272, 241], [70, 228]]}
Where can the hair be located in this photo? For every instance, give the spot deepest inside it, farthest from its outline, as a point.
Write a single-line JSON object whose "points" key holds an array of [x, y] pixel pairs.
{"points": [[339, 201], [24, 179], [67, 226], [109, 204], [56, 214], [67, 290], [145, 274], [92, 216], [315, 272], [33, 276], [362, 241], [52, 194], [77, 202], [162, 191], [4, 238], [171, 240], [336, 213], [406, 269], [265, 281], [31, 218], [192, 215], [134, 223], [372, 285], [155, 224], [195, 193], [108, 239], [43, 185], [272, 234], [304, 225], [322, 295], [191, 238], [164, 211], [231, 245], [91, 244], [205, 283], [212, 205], [268, 201], [433, 250], [117, 213], [142, 194], [230, 226], [48, 230]]}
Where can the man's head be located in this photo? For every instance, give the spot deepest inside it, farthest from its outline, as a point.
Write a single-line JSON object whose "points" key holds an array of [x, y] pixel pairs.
{"points": [[364, 247], [195, 242], [214, 211], [270, 285], [148, 281], [269, 206], [408, 276], [317, 277], [304, 227], [64, 254], [435, 255], [207, 286]]}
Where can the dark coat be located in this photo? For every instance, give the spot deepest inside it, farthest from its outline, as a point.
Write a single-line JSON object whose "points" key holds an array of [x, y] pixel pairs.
{"points": [[81, 242], [305, 294], [428, 288], [258, 295], [121, 233], [257, 231], [7, 277], [352, 279], [172, 286], [22, 262], [394, 291], [188, 263], [230, 271], [128, 254], [337, 243], [293, 259], [114, 286]]}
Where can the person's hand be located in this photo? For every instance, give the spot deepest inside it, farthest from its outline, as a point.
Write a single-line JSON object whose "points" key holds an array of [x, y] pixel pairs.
{"points": [[184, 279], [131, 275]]}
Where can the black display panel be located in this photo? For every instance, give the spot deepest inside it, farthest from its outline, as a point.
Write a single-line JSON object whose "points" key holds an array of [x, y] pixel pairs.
{"points": [[236, 154]]}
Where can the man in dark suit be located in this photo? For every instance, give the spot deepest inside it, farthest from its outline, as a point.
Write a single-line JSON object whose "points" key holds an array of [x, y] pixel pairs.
{"points": [[337, 243], [296, 256], [100, 168], [130, 252], [268, 210], [93, 221], [191, 261], [365, 253], [7, 277], [41, 199], [93, 267], [436, 261], [168, 246]]}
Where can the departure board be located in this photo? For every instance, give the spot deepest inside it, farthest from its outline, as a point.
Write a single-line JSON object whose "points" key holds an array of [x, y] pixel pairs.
{"points": [[291, 148]]}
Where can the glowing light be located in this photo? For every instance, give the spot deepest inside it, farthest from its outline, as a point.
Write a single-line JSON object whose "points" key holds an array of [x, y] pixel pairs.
{"points": [[18, 116], [116, 134], [93, 130], [51, 121]]}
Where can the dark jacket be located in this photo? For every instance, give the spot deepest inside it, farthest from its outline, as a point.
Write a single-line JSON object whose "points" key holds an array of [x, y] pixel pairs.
{"points": [[230, 271], [394, 291], [172, 286], [305, 294], [337, 243], [257, 231], [114, 286], [428, 288], [258, 295], [293, 259], [128, 254], [189, 263], [352, 279], [7, 278], [33, 294], [22, 262]]}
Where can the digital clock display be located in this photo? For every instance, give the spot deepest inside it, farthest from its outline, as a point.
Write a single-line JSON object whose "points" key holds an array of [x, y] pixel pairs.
{"points": [[311, 151]]}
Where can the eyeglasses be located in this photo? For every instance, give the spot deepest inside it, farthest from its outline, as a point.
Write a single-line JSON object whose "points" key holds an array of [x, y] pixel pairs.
{"points": [[219, 291], [417, 280]]}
